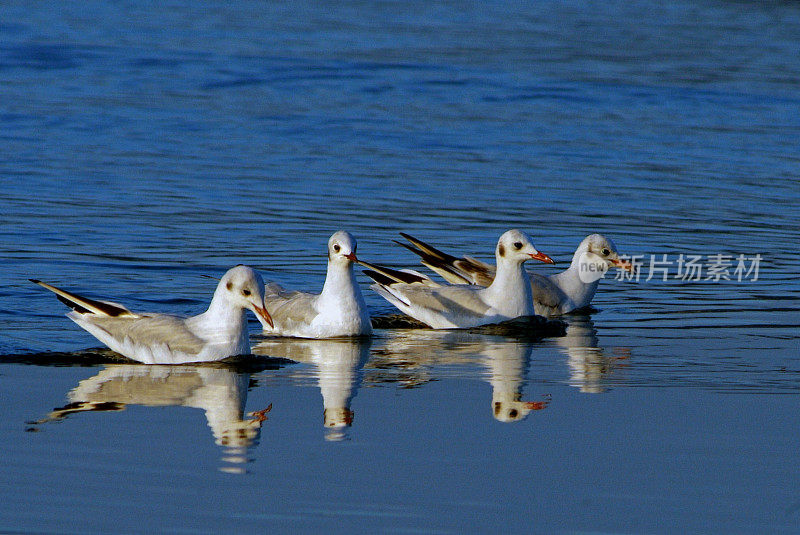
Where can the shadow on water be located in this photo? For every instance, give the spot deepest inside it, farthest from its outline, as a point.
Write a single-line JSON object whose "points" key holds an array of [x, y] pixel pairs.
{"points": [[220, 388], [100, 356], [85, 357], [530, 328]]}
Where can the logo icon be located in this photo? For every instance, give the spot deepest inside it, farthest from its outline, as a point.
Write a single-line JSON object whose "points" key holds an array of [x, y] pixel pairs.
{"points": [[591, 267]]}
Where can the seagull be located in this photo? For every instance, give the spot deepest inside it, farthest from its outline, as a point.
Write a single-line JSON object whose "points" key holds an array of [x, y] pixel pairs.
{"points": [[462, 307], [217, 333], [339, 311], [553, 295]]}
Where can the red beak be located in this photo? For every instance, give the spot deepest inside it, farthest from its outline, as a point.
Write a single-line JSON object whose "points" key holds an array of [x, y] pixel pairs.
{"points": [[262, 312], [351, 257], [543, 257]]}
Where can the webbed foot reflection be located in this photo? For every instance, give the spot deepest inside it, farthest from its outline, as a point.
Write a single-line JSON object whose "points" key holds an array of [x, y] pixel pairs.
{"points": [[221, 392], [260, 416]]}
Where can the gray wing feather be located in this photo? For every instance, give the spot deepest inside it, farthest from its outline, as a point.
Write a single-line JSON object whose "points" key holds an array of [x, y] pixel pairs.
{"points": [[289, 306], [171, 331], [547, 297], [426, 304]]}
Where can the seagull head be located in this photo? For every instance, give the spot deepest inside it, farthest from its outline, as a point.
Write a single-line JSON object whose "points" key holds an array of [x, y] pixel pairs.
{"points": [[244, 287], [342, 248], [516, 246], [605, 249]]}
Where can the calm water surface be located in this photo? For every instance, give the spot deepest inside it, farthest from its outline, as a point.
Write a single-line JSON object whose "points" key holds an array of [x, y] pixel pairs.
{"points": [[145, 146]]}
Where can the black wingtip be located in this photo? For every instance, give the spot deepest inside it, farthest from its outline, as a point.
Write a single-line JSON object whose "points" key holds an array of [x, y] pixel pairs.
{"points": [[378, 277], [410, 248], [425, 250], [73, 305], [79, 304]]}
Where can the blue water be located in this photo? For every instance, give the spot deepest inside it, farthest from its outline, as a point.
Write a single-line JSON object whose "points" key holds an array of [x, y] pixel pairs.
{"points": [[145, 146]]}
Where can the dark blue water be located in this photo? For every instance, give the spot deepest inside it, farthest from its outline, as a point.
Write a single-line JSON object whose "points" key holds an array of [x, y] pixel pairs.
{"points": [[144, 146]]}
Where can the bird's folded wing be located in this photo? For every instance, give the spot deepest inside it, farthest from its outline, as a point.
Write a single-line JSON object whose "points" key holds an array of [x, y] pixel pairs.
{"points": [[438, 261], [475, 271], [450, 301], [153, 330], [388, 276], [290, 307], [546, 293], [84, 305]]}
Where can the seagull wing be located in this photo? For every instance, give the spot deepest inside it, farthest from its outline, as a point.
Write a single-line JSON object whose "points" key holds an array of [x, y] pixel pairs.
{"points": [[158, 333], [84, 305], [464, 270], [547, 296], [439, 307], [289, 307]]}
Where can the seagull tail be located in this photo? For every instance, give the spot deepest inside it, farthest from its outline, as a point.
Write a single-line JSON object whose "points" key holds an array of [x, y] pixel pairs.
{"points": [[84, 305], [388, 276], [424, 250], [438, 261]]}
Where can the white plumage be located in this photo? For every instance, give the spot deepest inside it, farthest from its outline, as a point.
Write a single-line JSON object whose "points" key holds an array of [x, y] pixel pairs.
{"points": [[464, 306], [553, 295], [339, 310], [217, 333]]}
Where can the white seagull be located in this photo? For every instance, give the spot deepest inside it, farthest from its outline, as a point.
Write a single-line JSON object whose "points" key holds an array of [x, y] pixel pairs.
{"points": [[459, 306], [339, 310], [553, 295], [217, 333]]}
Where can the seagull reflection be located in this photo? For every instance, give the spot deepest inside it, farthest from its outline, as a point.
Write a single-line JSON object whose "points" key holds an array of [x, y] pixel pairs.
{"points": [[507, 363], [221, 392], [505, 359], [588, 363], [338, 362]]}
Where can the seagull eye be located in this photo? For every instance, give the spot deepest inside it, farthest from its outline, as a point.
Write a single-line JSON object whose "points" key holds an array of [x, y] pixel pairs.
{"points": [[245, 292], [606, 252], [518, 245], [336, 247]]}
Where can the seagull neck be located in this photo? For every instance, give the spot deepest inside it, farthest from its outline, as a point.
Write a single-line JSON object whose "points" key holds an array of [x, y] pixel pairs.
{"points": [[576, 259], [340, 282], [569, 280], [222, 315], [511, 289]]}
